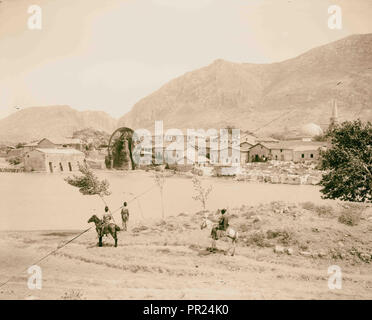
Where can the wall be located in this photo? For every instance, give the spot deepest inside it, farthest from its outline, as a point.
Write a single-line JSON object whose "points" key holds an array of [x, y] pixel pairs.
{"points": [[244, 157], [258, 150], [35, 161], [64, 160], [39, 161], [297, 155], [282, 154]]}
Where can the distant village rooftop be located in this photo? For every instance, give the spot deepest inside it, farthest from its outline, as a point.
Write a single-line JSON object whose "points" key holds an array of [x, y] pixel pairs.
{"points": [[59, 151]]}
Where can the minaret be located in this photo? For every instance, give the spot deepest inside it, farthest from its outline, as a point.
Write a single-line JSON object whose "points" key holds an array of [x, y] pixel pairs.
{"points": [[334, 117]]}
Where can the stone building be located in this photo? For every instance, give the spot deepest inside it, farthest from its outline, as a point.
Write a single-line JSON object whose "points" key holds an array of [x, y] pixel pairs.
{"points": [[306, 153], [259, 152], [53, 160]]}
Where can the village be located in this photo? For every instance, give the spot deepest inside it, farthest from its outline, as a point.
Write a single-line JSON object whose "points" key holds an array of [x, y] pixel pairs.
{"points": [[293, 160]]}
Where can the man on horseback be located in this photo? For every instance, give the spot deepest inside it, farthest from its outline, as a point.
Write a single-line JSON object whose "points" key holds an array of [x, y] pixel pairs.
{"points": [[124, 216], [106, 219], [222, 225]]}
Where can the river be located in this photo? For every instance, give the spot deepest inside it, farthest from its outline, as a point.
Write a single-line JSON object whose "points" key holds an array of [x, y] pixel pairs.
{"points": [[38, 201]]}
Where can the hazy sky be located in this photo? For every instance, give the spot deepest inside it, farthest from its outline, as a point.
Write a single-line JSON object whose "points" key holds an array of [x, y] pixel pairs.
{"points": [[108, 54]]}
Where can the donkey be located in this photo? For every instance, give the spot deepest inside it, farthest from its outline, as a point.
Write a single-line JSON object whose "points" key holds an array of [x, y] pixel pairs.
{"points": [[111, 228], [230, 233]]}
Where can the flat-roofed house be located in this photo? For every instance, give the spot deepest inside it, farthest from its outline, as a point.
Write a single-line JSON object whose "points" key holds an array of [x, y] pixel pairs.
{"points": [[296, 151], [306, 153], [280, 151], [53, 160]]}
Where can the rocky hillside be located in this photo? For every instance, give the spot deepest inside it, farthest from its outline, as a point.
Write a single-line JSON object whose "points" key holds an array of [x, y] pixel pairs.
{"points": [[249, 96], [53, 121]]}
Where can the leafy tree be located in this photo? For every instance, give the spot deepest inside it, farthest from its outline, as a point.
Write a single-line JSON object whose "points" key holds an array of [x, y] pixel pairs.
{"points": [[89, 184], [349, 162]]}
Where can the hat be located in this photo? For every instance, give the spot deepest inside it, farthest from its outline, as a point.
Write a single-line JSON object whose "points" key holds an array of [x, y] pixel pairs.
{"points": [[106, 208]]}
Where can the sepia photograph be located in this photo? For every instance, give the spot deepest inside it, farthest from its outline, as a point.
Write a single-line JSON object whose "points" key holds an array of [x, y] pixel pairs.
{"points": [[185, 150]]}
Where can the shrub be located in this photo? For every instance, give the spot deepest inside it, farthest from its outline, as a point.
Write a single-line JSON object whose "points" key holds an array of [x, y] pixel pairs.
{"points": [[350, 214], [139, 229], [324, 210], [73, 295], [14, 160], [258, 239], [308, 206], [282, 236], [244, 227]]}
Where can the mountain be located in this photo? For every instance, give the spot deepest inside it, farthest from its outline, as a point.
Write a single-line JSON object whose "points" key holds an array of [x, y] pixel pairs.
{"points": [[53, 121], [266, 98]]}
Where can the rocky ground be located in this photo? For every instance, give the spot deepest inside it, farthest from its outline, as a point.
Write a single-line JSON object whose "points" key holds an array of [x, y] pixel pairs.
{"points": [[284, 252], [285, 172]]}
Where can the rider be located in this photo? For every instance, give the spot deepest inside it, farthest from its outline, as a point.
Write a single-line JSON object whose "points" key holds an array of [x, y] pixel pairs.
{"points": [[124, 216], [107, 217], [223, 223]]}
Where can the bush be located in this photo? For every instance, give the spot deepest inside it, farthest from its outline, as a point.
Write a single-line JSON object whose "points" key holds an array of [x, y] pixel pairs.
{"points": [[350, 214], [308, 206], [73, 295], [283, 236], [258, 239], [14, 160], [324, 211]]}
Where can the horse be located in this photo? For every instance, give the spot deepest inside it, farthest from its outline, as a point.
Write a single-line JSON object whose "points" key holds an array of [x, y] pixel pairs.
{"points": [[230, 233], [111, 228]]}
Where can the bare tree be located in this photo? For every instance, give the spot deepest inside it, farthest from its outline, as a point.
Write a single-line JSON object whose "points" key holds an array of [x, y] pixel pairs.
{"points": [[159, 178], [202, 193]]}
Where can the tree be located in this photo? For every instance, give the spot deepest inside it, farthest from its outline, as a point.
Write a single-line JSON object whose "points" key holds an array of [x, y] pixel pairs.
{"points": [[159, 178], [349, 162], [202, 193], [89, 184]]}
